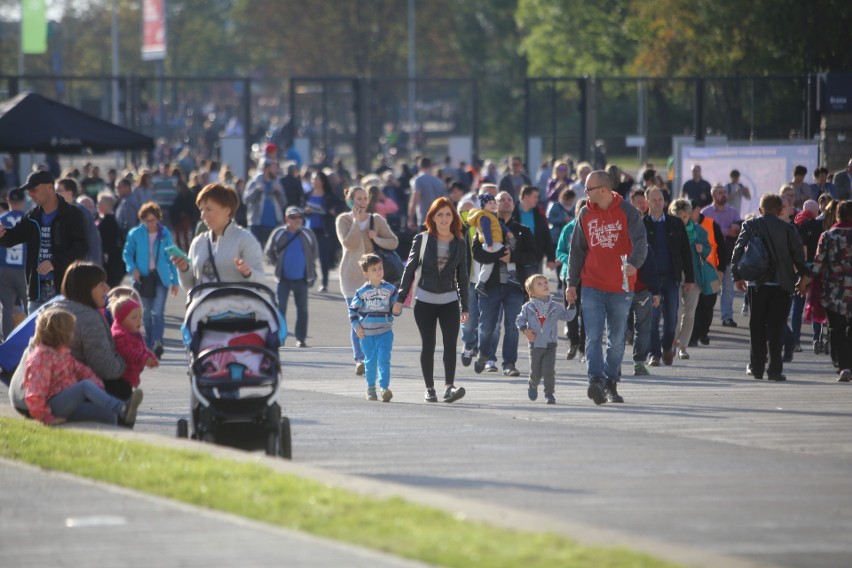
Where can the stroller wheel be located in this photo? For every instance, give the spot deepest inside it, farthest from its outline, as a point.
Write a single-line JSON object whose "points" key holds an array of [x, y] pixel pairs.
{"points": [[182, 428], [285, 449]]}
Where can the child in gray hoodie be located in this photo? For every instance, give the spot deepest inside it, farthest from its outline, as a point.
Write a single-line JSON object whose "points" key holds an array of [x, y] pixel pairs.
{"points": [[539, 322]]}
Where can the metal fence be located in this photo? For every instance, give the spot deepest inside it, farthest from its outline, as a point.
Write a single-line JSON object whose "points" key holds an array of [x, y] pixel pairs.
{"points": [[570, 114]]}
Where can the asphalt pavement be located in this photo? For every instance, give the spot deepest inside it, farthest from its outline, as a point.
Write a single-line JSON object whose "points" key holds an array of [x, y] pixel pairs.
{"points": [[702, 465]]}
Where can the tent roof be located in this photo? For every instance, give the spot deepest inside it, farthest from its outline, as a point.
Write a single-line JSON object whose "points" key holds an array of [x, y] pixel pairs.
{"points": [[32, 123]]}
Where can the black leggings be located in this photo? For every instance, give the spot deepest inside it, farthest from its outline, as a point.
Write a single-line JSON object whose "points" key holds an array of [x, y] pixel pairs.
{"points": [[427, 316]]}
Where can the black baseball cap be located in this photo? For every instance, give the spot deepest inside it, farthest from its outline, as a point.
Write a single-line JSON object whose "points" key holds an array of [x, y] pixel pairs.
{"points": [[37, 178], [15, 195]]}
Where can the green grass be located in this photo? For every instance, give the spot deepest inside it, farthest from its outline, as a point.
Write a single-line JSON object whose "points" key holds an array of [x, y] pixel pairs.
{"points": [[257, 492]]}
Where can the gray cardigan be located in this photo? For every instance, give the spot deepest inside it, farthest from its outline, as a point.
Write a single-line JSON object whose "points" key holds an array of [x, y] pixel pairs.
{"points": [[235, 242]]}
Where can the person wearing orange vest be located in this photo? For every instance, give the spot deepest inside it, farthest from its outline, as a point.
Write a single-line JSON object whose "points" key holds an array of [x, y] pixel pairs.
{"points": [[707, 302]]}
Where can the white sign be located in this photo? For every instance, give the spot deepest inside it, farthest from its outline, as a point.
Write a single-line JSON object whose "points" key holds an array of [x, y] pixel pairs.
{"points": [[636, 141], [763, 168]]}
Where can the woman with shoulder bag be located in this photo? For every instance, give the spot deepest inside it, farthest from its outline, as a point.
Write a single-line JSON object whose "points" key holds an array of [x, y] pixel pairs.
{"points": [[153, 275], [356, 237], [441, 292]]}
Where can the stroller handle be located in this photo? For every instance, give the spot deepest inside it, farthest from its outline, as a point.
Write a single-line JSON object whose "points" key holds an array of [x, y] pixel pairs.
{"points": [[197, 289]]}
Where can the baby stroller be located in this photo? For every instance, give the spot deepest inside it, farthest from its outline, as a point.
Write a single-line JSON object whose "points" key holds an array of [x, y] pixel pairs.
{"points": [[232, 332]]}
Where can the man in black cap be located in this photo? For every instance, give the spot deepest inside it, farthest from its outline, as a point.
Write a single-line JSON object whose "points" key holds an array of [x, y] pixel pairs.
{"points": [[55, 235]]}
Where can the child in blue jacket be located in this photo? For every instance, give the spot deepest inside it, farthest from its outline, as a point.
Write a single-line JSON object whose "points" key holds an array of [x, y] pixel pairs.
{"points": [[372, 320]]}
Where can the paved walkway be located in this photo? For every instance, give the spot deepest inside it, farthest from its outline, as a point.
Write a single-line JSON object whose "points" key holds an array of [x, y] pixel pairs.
{"points": [[702, 465]]}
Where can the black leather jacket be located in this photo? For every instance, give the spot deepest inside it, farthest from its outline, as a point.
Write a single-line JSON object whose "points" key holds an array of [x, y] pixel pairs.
{"points": [[453, 278], [785, 246]]}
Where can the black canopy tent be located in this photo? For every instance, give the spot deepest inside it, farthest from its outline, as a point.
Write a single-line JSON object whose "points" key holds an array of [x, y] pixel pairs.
{"points": [[32, 123]]}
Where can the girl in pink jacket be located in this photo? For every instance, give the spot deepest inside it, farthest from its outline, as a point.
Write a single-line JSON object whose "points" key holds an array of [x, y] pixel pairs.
{"points": [[58, 387], [129, 341]]}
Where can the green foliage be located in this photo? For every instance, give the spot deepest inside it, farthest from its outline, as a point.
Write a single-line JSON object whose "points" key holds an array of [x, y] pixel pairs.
{"points": [[254, 491]]}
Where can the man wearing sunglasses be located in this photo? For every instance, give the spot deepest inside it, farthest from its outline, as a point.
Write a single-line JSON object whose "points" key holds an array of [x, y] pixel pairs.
{"points": [[608, 245]]}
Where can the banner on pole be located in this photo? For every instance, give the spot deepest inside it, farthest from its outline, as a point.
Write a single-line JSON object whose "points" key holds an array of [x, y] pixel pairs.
{"points": [[153, 30], [34, 26]]}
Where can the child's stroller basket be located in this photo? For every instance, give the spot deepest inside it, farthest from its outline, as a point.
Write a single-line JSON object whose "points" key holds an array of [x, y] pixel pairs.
{"points": [[232, 332]]}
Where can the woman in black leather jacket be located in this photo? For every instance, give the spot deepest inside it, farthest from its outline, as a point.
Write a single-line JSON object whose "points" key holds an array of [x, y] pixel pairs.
{"points": [[441, 292]]}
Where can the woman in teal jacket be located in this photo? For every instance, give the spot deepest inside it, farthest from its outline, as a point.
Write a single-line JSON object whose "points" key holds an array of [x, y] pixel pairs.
{"points": [[145, 255], [699, 245]]}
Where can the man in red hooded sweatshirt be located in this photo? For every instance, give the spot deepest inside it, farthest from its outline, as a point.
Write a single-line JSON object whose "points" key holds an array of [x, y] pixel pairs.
{"points": [[605, 255]]}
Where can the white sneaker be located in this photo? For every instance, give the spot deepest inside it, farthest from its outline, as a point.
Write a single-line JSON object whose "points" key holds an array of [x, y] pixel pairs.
{"points": [[491, 366]]}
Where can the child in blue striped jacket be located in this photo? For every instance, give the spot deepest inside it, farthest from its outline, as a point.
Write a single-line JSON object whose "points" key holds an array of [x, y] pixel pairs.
{"points": [[372, 320]]}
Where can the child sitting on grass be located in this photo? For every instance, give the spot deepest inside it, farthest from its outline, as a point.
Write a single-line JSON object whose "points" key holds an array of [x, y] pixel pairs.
{"points": [[57, 387], [372, 320], [539, 322], [129, 341], [493, 234]]}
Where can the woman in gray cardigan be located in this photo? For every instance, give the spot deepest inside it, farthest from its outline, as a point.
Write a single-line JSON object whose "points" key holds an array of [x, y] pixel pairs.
{"points": [[225, 253]]}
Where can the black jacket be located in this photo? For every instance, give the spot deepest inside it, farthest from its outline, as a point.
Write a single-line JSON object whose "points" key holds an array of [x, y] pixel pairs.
{"points": [[69, 243], [293, 190], [784, 245], [541, 235], [523, 254], [679, 251], [453, 278]]}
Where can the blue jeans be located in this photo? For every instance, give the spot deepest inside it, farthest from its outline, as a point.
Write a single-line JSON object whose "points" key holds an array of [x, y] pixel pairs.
{"points": [[470, 329], [300, 298], [325, 255], [608, 308], [642, 308], [353, 337], [510, 299], [726, 306], [377, 358], [669, 303], [153, 310], [85, 401]]}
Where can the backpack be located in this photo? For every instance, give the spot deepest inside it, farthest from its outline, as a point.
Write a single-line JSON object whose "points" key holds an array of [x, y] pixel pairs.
{"points": [[756, 264]]}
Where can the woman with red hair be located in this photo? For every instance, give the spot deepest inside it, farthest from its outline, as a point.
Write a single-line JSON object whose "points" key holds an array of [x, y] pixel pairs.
{"points": [[438, 260]]}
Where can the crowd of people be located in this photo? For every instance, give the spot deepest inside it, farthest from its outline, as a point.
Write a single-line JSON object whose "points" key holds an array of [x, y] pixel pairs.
{"points": [[638, 262]]}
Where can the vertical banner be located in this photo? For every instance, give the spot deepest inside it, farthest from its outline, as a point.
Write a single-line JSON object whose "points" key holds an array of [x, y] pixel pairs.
{"points": [[153, 30], [33, 26]]}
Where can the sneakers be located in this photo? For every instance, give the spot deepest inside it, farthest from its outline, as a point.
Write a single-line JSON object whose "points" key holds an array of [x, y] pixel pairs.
{"points": [[430, 396], [479, 364], [682, 354], [776, 377], [797, 348], [729, 323], [845, 376], [509, 370], [452, 394], [750, 372], [654, 361], [744, 311], [468, 355], [549, 399], [817, 347], [491, 366], [532, 393], [130, 408], [572, 352], [387, 395], [639, 369], [612, 392], [480, 289], [301, 344], [668, 357], [596, 391], [158, 349], [704, 340], [371, 393], [359, 368]]}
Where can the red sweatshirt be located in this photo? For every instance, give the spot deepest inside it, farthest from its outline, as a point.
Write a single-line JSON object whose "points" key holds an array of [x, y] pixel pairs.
{"points": [[606, 235], [132, 348]]}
